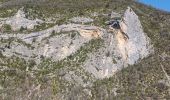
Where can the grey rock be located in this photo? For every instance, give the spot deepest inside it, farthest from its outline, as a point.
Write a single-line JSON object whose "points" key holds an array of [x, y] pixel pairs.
{"points": [[125, 46], [18, 20], [81, 20], [121, 47]]}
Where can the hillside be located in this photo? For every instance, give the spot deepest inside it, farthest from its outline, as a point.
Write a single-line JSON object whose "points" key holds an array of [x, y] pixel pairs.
{"points": [[83, 50]]}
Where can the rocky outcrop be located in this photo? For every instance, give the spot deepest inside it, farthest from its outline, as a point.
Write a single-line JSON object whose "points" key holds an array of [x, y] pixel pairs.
{"points": [[18, 20], [122, 47], [69, 39], [90, 33], [134, 44], [81, 20]]}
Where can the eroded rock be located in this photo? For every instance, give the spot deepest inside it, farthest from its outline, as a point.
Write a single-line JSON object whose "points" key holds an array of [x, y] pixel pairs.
{"points": [[19, 21], [71, 37], [137, 45], [122, 47]]}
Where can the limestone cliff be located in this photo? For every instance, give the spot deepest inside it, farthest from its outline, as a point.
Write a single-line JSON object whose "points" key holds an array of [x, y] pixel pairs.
{"points": [[83, 50]]}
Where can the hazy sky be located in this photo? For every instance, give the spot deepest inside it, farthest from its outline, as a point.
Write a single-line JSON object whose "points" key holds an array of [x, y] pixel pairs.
{"points": [[160, 4]]}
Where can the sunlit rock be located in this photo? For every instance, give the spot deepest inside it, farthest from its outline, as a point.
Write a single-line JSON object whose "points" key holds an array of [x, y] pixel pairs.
{"points": [[19, 21]]}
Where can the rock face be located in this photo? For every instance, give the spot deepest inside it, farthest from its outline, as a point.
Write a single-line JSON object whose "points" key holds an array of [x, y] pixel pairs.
{"points": [[81, 20], [18, 20], [90, 33], [71, 59], [56, 47], [121, 47], [133, 43]]}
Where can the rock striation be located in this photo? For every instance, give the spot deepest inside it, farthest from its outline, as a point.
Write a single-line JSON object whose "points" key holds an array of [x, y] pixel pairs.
{"points": [[121, 47]]}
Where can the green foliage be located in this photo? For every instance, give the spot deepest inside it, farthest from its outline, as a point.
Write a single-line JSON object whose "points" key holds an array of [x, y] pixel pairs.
{"points": [[7, 12], [55, 86], [141, 81], [24, 43], [6, 28], [22, 29], [3, 1], [48, 66], [136, 82], [42, 26], [72, 34]]}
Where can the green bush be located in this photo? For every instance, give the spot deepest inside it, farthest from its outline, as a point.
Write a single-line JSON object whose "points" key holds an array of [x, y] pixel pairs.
{"points": [[6, 28], [22, 29]]}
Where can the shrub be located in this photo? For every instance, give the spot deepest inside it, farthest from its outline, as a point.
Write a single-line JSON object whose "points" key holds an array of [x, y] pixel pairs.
{"points": [[6, 28], [22, 29]]}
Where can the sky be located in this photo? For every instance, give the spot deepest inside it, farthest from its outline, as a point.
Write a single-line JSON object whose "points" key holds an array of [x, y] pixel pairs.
{"points": [[160, 4]]}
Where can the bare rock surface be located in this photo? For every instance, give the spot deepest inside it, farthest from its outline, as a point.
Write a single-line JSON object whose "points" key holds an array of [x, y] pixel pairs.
{"points": [[120, 48], [136, 46], [81, 20], [58, 47], [18, 20]]}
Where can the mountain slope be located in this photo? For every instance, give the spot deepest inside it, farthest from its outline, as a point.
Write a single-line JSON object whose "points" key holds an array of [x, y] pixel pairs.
{"points": [[32, 69]]}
